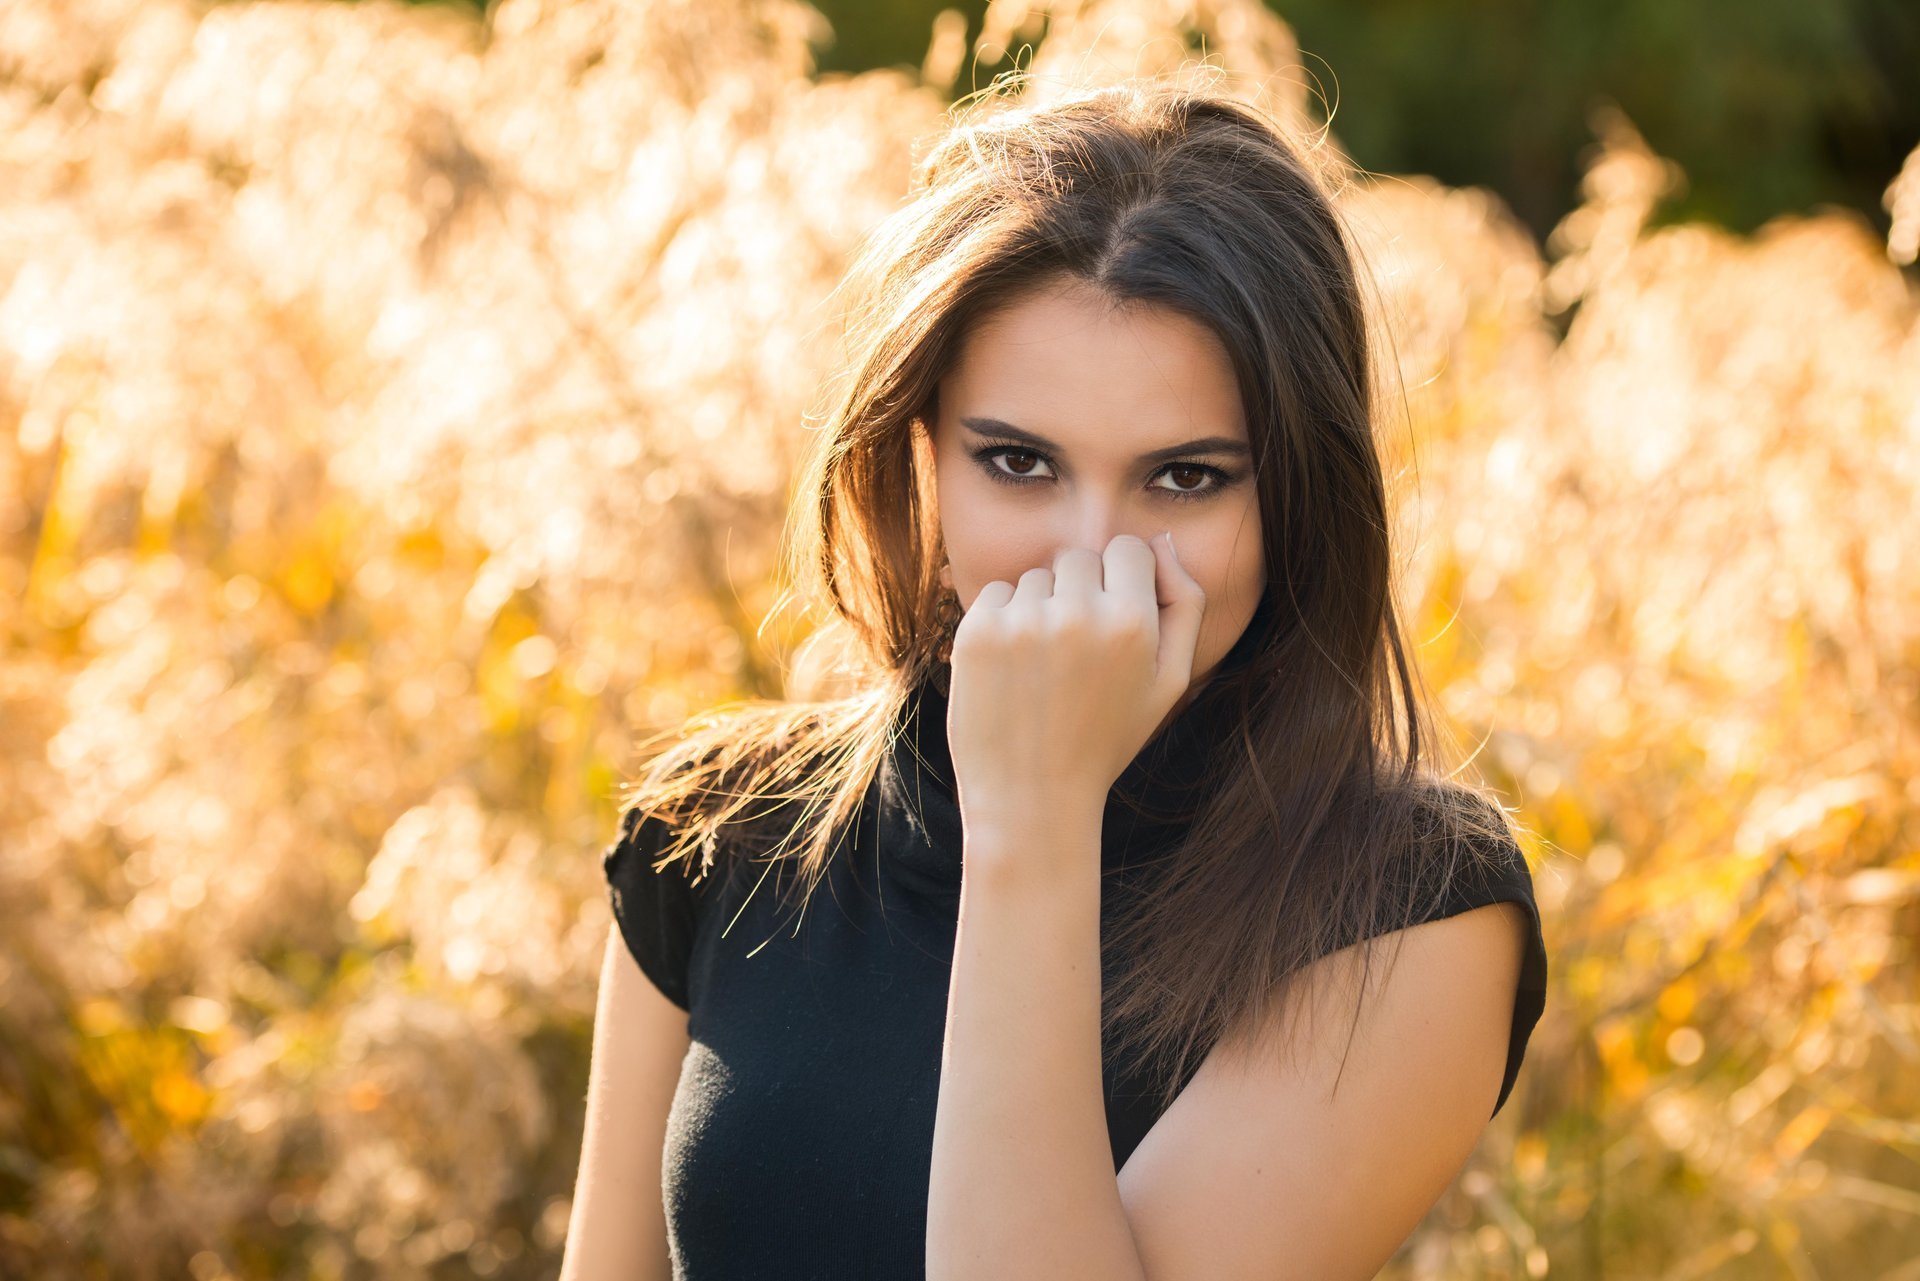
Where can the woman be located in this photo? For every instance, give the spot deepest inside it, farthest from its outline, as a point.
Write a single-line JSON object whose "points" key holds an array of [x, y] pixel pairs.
{"points": [[1015, 964]]}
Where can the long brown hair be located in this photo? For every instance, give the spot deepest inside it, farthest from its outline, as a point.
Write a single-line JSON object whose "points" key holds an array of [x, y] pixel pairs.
{"points": [[1322, 828]]}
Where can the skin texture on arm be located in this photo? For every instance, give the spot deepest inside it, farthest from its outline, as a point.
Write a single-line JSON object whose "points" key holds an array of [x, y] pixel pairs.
{"points": [[618, 1226], [1022, 1181], [1263, 1171]]}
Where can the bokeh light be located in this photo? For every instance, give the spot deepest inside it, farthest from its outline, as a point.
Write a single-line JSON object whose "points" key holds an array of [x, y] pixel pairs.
{"points": [[397, 409]]}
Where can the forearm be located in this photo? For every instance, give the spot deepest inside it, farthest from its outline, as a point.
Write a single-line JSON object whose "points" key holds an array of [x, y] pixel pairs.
{"points": [[1023, 1183]]}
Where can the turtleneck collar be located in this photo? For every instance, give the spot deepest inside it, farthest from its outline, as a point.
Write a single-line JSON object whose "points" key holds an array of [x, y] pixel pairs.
{"points": [[1148, 810]]}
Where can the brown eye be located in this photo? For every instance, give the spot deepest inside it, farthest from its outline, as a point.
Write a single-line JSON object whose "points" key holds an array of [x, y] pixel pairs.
{"points": [[1014, 473], [1188, 478], [1191, 481], [1191, 478]]}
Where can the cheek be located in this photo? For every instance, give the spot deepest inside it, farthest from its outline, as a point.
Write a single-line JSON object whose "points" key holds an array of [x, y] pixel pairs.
{"points": [[981, 544], [976, 519], [1224, 554], [958, 508], [1233, 576]]}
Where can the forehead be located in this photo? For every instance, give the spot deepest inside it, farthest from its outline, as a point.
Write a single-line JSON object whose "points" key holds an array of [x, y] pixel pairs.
{"points": [[1067, 362]]}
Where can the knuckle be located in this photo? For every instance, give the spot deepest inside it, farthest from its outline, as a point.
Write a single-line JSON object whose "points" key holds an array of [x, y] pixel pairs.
{"points": [[1072, 555]]}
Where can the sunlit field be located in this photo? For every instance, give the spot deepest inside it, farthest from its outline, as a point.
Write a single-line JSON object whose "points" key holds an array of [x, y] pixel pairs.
{"points": [[397, 414]]}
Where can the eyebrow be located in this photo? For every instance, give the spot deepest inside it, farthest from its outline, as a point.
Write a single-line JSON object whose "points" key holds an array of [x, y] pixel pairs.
{"points": [[1202, 445]]}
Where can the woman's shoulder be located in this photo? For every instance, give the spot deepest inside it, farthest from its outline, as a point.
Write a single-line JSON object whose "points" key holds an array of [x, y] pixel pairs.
{"points": [[1450, 820], [1461, 850], [1469, 854]]}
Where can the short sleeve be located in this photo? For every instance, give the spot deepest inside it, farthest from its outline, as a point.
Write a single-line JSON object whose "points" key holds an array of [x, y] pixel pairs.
{"points": [[657, 912], [1504, 877]]}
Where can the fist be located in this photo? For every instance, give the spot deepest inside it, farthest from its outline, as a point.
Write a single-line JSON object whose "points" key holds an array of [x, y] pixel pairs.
{"points": [[1059, 681]]}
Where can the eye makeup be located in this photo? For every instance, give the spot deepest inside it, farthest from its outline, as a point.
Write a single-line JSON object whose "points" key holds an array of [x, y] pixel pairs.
{"points": [[987, 453]]}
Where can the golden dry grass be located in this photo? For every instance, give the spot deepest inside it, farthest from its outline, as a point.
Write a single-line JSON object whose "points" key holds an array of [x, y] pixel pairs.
{"points": [[398, 418]]}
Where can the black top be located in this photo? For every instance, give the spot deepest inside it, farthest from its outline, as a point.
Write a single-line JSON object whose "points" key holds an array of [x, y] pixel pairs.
{"points": [[800, 1141]]}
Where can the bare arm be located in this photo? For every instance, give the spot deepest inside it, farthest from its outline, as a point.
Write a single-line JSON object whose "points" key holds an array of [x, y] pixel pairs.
{"points": [[1261, 1168], [1023, 1184], [618, 1228]]}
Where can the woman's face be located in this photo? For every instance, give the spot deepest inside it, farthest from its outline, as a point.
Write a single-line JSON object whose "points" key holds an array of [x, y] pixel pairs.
{"points": [[1066, 422]]}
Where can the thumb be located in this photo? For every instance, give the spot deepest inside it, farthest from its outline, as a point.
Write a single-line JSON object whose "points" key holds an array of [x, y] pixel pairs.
{"points": [[1183, 601]]}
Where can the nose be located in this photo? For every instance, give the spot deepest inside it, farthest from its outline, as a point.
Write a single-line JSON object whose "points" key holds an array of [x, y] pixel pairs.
{"points": [[1097, 521]]}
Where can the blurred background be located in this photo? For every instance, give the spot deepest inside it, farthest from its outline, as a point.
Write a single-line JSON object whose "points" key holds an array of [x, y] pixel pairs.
{"points": [[397, 412]]}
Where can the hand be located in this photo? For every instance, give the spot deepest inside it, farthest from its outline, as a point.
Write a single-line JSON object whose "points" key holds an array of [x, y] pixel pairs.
{"points": [[1058, 683]]}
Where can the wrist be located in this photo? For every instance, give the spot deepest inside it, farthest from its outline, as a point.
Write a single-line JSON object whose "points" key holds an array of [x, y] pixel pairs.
{"points": [[1025, 830], [1040, 806], [1025, 792]]}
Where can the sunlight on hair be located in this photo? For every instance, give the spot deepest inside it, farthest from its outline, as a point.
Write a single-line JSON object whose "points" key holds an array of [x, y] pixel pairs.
{"points": [[404, 407]]}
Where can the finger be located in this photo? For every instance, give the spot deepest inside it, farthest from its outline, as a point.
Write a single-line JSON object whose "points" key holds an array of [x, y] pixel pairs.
{"points": [[1033, 589], [1128, 563], [1077, 575], [994, 595], [1184, 603]]}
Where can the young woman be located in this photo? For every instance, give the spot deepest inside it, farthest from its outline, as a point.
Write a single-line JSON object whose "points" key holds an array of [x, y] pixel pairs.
{"points": [[1052, 952]]}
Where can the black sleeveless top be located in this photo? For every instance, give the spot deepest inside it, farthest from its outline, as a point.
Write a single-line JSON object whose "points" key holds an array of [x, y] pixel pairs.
{"points": [[800, 1140]]}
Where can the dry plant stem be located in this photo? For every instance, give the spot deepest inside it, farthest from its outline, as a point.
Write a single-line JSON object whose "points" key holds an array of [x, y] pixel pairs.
{"points": [[1023, 1183]]}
